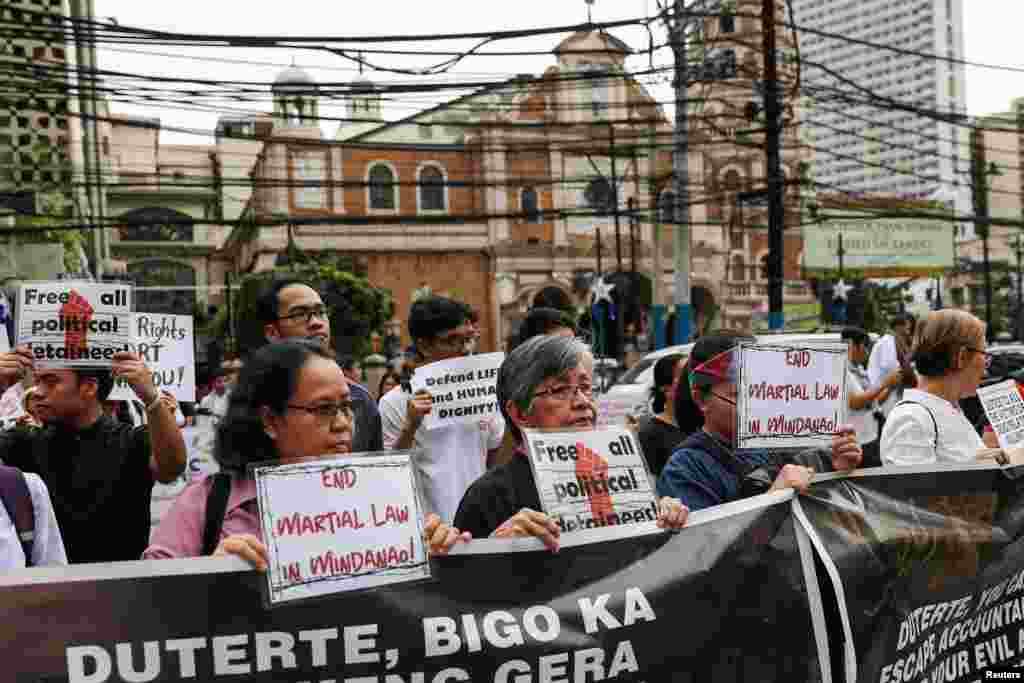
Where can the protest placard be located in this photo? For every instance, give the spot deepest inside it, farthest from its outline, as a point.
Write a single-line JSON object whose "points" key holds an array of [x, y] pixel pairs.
{"points": [[74, 324], [1004, 407], [463, 389], [790, 396], [340, 524], [590, 479], [613, 410], [165, 343]]}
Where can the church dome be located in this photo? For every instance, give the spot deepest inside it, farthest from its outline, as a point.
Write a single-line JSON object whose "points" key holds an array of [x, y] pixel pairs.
{"points": [[294, 79]]}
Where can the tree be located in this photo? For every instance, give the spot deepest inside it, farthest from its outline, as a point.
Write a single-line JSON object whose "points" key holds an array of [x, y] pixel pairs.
{"points": [[49, 206], [357, 308]]}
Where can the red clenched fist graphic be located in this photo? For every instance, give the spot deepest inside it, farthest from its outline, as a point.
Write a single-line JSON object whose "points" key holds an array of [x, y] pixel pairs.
{"points": [[591, 466], [75, 316]]}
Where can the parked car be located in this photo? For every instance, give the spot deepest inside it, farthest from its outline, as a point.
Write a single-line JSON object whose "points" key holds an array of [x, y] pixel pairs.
{"points": [[632, 393]]}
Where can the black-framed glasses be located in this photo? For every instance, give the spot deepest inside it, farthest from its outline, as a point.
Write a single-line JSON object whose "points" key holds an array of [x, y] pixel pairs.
{"points": [[298, 314], [988, 356], [326, 412], [567, 392]]}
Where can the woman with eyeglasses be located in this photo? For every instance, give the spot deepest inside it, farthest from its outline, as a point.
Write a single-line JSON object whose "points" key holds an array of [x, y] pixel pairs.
{"points": [[546, 382], [927, 426], [291, 403]]}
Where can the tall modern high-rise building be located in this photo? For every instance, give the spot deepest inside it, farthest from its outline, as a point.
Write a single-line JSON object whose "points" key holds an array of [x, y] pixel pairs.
{"points": [[883, 94]]}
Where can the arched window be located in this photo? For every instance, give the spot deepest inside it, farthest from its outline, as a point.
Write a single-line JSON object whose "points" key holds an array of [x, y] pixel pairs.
{"points": [[667, 207], [156, 224], [738, 269], [531, 205], [764, 267], [431, 189], [382, 187]]}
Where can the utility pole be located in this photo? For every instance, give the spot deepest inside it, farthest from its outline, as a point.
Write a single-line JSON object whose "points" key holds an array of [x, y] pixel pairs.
{"points": [[615, 197], [657, 305], [1018, 249], [979, 184], [681, 172], [631, 207], [773, 167]]}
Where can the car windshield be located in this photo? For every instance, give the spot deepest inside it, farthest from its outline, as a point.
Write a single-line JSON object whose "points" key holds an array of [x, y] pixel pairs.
{"points": [[1005, 361]]}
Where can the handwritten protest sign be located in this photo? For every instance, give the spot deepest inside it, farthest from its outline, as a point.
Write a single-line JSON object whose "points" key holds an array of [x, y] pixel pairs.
{"points": [[340, 524], [75, 324], [613, 410], [1004, 407], [592, 478], [790, 396], [463, 389], [165, 343]]}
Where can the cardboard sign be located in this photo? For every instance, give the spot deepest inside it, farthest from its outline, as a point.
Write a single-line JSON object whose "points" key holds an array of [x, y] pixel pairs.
{"points": [[592, 478], [790, 396], [613, 410], [165, 343], [463, 389], [340, 524], [1004, 406], [75, 324]]}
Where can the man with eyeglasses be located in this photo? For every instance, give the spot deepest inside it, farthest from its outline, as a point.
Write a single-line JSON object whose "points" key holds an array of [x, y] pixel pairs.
{"points": [[707, 469], [449, 458], [290, 308]]}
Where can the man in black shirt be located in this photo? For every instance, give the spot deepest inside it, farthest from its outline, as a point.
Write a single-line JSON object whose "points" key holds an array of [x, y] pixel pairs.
{"points": [[99, 471]]}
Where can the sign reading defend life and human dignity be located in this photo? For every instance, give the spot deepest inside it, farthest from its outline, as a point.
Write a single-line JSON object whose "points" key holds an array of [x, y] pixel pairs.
{"points": [[790, 396], [340, 524], [590, 479], [70, 323], [165, 343], [462, 389], [1004, 406]]}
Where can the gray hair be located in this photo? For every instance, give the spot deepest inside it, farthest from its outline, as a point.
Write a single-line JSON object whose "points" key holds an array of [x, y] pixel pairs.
{"points": [[532, 362]]}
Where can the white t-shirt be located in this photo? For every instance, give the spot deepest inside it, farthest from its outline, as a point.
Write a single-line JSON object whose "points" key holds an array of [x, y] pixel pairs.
{"points": [[884, 360], [863, 420], [216, 403], [909, 436], [48, 546], [448, 460]]}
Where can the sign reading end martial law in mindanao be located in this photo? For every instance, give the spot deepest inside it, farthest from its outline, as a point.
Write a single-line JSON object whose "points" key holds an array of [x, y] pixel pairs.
{"points": [[340, 524], [165, 343], [592, 478], [462, 389], [790, 396], [1004, 406], [71, 323], [878, 247]]}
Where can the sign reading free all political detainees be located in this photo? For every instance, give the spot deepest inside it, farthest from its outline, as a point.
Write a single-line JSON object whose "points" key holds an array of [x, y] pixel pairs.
{"points": [[790, 396], [463, 389], [70, 323], [340, 524], [1004, 406], [590, 479], [165, 343]]}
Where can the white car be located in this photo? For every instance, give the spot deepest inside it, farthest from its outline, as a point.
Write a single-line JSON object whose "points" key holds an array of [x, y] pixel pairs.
{"points": [[631, 394]]}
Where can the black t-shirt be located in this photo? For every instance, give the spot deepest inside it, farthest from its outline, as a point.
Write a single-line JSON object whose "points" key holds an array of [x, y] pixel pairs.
{"points": [[659, 440], [100, 483], [496, 496]]}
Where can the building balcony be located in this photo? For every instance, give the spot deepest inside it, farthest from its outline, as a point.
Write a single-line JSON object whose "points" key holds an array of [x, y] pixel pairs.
{"points": [[795, 291]]}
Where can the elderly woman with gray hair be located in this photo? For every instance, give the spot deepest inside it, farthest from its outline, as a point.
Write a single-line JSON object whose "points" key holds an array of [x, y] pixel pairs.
{"points": [[547, 382]]}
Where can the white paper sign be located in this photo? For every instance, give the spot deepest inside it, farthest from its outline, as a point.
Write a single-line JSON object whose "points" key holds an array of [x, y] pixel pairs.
{"points": [[75, 324], [591, 479], [790, 396], [463, 389], [165, 343], [340, 524], [1004, 406]]}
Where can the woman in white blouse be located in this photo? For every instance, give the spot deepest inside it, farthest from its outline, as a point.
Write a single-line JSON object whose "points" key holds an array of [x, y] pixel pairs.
{"points": [[927, 426]]}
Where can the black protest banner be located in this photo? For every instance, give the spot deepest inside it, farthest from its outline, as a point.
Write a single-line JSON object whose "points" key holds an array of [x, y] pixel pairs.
{"points": [[931, 570], [723, 600]]}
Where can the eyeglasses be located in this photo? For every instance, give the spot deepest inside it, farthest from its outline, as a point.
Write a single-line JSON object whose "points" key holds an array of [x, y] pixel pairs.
{"points": [[298, 314], [988, 356], [326, 412], [567, 392]]}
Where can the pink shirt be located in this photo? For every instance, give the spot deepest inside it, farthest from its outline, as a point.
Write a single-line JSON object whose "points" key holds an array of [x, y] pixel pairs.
{"points": [[180, 534]]}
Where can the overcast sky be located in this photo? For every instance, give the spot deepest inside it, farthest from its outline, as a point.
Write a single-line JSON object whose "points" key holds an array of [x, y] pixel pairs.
{"points": [[992, 29]]}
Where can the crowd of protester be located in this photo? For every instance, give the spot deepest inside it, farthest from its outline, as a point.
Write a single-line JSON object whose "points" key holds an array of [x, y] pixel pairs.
{"points": [[88, 475]]}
